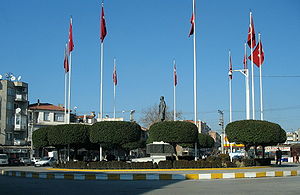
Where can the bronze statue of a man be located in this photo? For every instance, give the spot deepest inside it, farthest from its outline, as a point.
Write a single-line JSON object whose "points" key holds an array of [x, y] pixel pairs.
{"points": [[162, 109]]}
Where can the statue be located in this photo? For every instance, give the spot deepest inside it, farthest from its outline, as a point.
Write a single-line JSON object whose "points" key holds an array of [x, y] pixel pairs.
{"points": [[162, 109]]}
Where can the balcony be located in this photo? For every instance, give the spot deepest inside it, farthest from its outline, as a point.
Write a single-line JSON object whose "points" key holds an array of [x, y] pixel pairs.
{"points": [[21, 98]]}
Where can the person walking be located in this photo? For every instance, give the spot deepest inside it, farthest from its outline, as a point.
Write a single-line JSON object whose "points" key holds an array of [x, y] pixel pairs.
{"points": [[278, 156], [297, 158]]}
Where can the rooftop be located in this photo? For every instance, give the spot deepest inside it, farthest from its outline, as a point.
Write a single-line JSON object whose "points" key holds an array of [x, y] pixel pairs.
{"points": [[45, 106]]}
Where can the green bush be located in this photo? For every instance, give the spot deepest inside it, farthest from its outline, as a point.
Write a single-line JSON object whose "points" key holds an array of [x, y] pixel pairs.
{"points": [[262, 161], [182, 164], [255, 133], [224, 157], [115, 133], [142, 165], [248, 162], [205, 141], [228, 164], [40, 137], [165, 164], [173, 132]]}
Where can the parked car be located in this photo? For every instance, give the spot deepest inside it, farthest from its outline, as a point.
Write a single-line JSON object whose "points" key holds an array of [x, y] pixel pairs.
{"points": [[3, 159], [25, 161], [34, 160], [14, 161], [45, 161]]}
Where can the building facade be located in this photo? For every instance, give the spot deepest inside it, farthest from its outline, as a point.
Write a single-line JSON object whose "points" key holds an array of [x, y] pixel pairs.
{"points": [[13, 114], [44, 114]]}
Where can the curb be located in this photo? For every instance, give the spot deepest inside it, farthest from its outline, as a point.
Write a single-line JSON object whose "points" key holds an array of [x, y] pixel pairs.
{"points": [[207, 176]]}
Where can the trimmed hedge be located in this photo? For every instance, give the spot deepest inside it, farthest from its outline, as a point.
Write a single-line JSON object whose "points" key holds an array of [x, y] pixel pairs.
{"points": [[115, 132], [173, 132], [40, 137], [255, 133], [180, 164], [205, 141]]}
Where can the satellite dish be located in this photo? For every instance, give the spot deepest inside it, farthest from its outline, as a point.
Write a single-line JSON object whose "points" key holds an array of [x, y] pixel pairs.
{"points": [[19, 78], [18, 110], [12, 78], [0, 76]]}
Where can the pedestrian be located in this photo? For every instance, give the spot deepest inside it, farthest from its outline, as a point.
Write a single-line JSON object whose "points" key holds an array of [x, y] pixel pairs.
{"points": [[278, 156], [297, 158]]}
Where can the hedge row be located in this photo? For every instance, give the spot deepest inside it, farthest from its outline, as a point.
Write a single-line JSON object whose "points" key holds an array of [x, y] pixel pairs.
{"points": [[180, 164]]}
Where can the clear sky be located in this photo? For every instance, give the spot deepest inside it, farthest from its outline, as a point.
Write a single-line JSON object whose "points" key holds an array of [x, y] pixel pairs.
{"points": [[145, 36]]}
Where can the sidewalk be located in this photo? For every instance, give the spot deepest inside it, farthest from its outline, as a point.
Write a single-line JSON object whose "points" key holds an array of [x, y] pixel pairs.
{"points": [[286, 169]]}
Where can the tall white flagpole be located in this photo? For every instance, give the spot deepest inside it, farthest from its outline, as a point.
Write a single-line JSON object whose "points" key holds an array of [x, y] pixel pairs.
{"points": [[247, 87], [70, 69], [260, 80], [114, 87], [175, 82], [65, 105], [69, 93], [230, 88], [195, 66], [252, 73], [101, 82]]}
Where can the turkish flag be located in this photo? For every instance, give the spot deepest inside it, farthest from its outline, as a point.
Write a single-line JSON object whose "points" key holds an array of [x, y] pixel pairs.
{"points": [[193, 23], [258, 55], [251, 34], [115, 78], [103, 26], [175, 76], [71, 44], [230, 68], [66, 63]]}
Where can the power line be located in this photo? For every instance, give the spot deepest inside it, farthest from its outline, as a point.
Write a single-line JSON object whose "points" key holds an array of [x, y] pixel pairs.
{"points": [[282, 76]]}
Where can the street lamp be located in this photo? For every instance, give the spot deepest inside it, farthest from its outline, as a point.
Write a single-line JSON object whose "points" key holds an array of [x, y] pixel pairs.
{"points": [[221, 123], [131, 115]]}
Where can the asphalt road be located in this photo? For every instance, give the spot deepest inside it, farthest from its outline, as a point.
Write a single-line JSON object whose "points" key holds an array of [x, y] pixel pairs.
{"points": [[278, 185]]}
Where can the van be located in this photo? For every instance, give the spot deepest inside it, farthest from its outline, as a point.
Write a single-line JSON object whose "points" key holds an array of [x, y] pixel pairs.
{"points": [[3, 159]]}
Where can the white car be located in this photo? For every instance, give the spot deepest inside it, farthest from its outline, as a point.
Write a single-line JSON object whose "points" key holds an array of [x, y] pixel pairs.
{"points": [[3, 159], [35, 159], [45, 161]]}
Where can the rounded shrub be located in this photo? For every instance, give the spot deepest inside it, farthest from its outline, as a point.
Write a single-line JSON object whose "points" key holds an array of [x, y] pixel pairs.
{"points": [[173, 132], [40, 137], [115, 132]]}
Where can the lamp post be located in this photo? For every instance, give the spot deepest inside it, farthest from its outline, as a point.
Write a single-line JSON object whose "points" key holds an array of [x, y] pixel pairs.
{"points": [[221, 123], [131, 115]]}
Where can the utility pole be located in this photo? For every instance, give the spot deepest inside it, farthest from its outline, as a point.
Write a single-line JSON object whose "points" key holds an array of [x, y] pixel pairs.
{"points": [[221, 123], [131, 115]]}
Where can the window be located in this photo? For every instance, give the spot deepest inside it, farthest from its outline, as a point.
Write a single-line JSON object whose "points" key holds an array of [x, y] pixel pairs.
{"points": [[18, 119], [59, 117], [11, 91], [46, 116], [10, 106]]}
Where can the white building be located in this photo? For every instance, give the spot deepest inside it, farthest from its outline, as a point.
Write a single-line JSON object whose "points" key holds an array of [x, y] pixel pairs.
{"points": [[44, 114]]}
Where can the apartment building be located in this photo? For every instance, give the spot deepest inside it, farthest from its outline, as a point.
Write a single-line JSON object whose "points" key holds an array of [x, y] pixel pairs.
{"points": [[13, 112]]}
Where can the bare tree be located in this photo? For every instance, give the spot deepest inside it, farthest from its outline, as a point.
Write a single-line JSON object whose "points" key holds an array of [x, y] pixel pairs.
{"points": [[150, 115]]}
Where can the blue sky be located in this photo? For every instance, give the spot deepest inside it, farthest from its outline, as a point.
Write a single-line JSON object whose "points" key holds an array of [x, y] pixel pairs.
{"points": [[145, 36]]}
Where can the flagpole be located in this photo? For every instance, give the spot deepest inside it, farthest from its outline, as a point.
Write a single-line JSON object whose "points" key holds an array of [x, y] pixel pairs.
{"points": [[174, 63], [69, 93], [260, 80], [230, 89], [195, 66], [101, 82], [114, 88], [65, 103], [252, 74], [247, 87]]}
